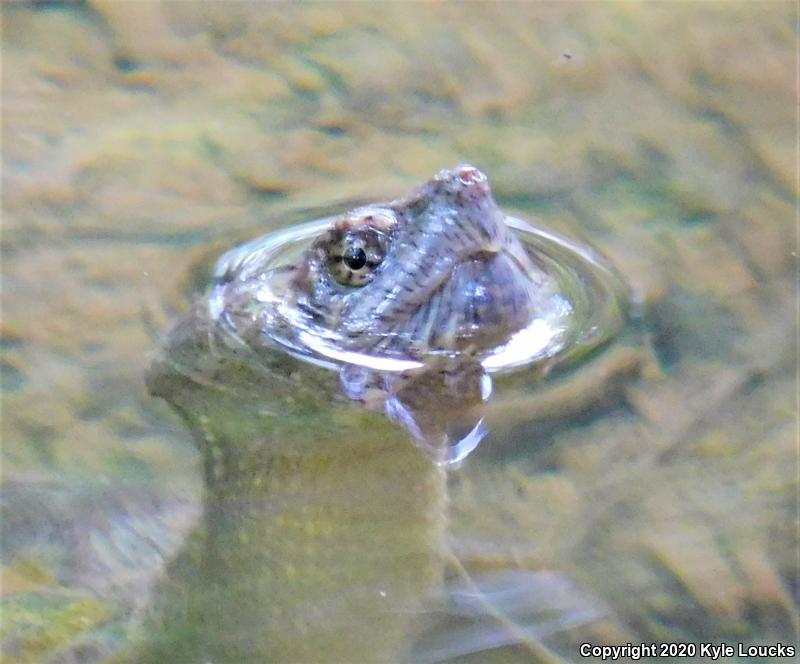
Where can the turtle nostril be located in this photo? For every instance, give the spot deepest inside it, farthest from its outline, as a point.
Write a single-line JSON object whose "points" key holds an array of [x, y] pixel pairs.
{"points": [[472, 177]]}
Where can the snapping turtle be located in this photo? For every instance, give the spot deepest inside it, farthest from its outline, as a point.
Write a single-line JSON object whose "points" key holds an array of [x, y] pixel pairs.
{"points": [[329, 388]]}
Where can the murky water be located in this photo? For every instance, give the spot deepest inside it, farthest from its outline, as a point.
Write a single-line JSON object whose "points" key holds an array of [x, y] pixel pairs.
{"points": [[646, 493]]}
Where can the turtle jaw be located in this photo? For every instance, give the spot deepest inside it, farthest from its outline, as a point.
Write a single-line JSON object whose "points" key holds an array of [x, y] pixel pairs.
{"points": [[484, 300]]}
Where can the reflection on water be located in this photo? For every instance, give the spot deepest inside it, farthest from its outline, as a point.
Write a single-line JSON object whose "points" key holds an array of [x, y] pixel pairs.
{"points": [[302, 554], [646, 493]]}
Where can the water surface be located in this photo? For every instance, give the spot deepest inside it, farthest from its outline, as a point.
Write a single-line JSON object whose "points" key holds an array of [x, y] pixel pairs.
{"points": [[648, 494]]}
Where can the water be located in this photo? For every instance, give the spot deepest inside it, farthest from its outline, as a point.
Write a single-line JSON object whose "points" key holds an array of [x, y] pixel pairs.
{"points": [[648, 492]]}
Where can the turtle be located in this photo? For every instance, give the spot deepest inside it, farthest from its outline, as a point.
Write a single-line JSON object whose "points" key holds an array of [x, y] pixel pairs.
{"points": [[331, 387]]}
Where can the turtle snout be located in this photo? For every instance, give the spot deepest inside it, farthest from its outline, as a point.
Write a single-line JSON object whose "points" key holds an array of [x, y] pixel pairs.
{"points": [[472, 180]]}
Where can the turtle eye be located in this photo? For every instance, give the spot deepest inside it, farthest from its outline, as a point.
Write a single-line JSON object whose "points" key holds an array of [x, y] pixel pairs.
{"points": [[353, 260]]}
